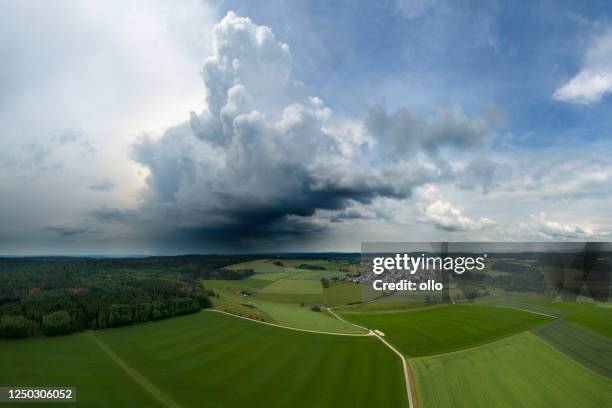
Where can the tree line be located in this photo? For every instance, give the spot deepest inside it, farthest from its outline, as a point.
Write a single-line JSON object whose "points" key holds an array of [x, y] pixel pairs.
{"points": [[53, 296]]}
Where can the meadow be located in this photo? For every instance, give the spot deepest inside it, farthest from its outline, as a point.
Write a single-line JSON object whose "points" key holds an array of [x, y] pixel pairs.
{"points": [[445, 328]]}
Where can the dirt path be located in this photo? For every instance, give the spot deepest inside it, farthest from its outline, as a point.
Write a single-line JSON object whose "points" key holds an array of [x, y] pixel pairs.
{"points": [[369, 333], [142, 381], [386, 343]]}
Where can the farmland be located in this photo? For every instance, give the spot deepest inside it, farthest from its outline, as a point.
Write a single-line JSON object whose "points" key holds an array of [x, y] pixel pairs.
{"points": [[210, 359], [440, 329], [590, 349], [521, 370], [283, 292], [500, 349]]}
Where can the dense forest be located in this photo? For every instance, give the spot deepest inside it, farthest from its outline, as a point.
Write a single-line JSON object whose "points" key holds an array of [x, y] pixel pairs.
{"points": [[52, 296]]}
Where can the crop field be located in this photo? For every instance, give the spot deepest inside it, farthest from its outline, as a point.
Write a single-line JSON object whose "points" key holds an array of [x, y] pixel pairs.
{"points": [[75, 361], [503, 349], [343, 293], [290, 281], [440, 329], [519, 371], [590, 349], [597, 318], [297, 286], [209, 359], [304, 318]]}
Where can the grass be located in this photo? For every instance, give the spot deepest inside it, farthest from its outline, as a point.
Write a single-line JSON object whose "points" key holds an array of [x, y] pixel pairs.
{"points": [[384, 305], [295, 286], [588, 348], [342, 293], [594, 316], [70, 361], [293, 298], [597, 318], [304, 318], [209, 359], [446, 328], [288, 313], [215, 360], [520, 371]]}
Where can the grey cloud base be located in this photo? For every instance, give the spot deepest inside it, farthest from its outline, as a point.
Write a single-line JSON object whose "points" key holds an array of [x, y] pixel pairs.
{"points": [[264, 158]]}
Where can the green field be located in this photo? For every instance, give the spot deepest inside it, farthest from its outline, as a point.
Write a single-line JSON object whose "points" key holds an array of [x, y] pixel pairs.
{"points": [[210, 359], [295, 286], [70, 361], [287, 283], [342, 293], [594, 316], [590, 349], [519, 371], [440, 329], [304, 318], [385, 304], [597, 318]]}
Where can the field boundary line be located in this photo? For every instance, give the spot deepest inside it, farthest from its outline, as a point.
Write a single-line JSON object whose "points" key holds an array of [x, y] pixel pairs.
{"points": [[526, 310], [369, 333], [401, 356], [135, 375], [330, 310], [582, 365]]}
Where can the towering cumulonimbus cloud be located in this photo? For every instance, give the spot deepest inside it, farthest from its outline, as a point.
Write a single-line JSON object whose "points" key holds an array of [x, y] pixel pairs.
{"points": [[263, 156]]}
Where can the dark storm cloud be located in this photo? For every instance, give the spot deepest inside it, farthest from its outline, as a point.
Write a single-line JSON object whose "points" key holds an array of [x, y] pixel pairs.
{"points": [[67, 231], [348, 215], [264, 157]]}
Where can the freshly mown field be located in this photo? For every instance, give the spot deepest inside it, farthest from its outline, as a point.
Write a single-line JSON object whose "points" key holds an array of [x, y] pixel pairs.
{"points": [[519, 371], [591, 349], [209, 359], [440, 329]]}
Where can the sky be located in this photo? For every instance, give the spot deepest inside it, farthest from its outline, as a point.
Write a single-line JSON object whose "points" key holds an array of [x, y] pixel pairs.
{"points": [[153, 127]]}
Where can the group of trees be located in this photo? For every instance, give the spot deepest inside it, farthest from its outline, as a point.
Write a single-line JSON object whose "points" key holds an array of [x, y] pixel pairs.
{"points": [[53, 296], [228, 274], [311, 267]]}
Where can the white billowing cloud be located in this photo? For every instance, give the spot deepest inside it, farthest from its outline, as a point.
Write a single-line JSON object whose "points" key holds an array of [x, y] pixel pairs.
{"points": [[264, 157], [554, 174], [594, 80], [540, 226], [448, 218]]}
